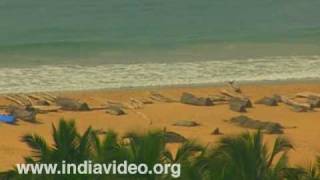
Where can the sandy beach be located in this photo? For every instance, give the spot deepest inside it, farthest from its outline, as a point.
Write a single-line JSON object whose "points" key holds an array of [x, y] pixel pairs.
{"points": [[159, 115]]}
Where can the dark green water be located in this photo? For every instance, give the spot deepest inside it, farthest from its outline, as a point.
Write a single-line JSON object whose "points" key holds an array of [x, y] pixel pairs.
{"points": [[129, 31]]}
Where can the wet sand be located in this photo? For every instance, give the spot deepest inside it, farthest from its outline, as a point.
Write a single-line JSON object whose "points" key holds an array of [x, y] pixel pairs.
{"points": [[306, 137]]}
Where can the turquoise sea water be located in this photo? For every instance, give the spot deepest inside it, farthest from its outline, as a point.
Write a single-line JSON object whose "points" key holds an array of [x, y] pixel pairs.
{"points": [[89, 44]]}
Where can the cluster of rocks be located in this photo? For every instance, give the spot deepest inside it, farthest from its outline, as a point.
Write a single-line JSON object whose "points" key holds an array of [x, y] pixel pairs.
{"points": [[28, 105], [301, 102], [235, 103], [74, 105], [23, 113], [312, 99], [238, 102], [232, 95]]}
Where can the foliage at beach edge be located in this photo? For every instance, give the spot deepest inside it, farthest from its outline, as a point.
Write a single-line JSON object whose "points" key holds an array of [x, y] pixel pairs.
{"points": [[241, 157]]}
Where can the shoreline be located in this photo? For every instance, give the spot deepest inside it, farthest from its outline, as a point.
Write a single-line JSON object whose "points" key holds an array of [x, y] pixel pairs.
{"points": [[198, 85], [158, 75]]}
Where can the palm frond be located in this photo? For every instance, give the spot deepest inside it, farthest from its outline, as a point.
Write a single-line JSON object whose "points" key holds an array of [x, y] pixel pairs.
{"points": [[66, 139], [281, 144], [38, 145], [147, 148], [187, 150], [85, 147]]}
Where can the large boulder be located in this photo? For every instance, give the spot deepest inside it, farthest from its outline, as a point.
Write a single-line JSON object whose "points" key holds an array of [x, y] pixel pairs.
{"points": [[185, 123], [23, 113], [269, 101], [188, 98], [71, 104], [115, 110]]}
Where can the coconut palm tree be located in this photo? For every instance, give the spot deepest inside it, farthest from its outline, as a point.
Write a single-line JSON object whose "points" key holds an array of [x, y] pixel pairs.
{"points": [[72, 147], [246, 157], [148, 149], [68, 146]]}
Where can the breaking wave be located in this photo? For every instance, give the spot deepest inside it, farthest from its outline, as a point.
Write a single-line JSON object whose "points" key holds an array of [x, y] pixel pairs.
{"points": [[76, 77]]}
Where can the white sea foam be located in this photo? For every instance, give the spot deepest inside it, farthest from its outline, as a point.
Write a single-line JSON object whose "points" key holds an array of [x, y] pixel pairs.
{"points": [[75, 77]]}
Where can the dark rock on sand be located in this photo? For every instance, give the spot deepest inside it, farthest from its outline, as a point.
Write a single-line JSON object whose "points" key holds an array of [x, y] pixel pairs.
{"points": [[114, 110], [299, 109], [71, 104], [237, 106], [245, 102], [172, 137], [188, 98], [216, 132], [23, 113], [273, 128], [269, 101], [155, 96], [277, 98], [265, 126], [185, 123], [314, 102]]}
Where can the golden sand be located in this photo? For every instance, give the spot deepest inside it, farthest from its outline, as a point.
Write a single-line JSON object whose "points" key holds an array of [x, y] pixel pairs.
{"points": [[306, 137]]}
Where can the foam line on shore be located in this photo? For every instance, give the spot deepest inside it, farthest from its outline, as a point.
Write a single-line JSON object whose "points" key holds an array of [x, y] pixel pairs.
{"points": [[76, 77]]}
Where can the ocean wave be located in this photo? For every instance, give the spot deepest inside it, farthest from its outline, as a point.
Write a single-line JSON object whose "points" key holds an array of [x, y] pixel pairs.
{"points": [[77, 77]]}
